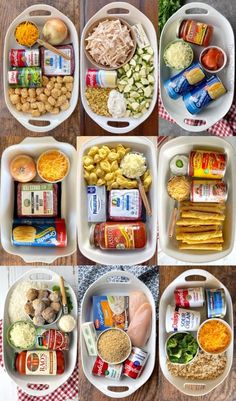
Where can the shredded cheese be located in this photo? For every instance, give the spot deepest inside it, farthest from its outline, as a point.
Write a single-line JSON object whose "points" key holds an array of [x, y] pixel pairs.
{"points": [[26, 34], [22, 335], [53, 166], [214, 336], [133, 165]]}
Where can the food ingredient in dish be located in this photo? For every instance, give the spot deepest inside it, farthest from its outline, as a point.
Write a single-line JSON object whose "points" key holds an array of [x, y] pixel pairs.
{"points": [[26, 33], [56, 65], [53, 97], [22, 335], [23, 168], [212, 59], [42, 232], [116, 104], [189, 297], [97, 203], [181, 348], [53, 165], [179, 165], [199, 98], [67, 323], [37, 199], [133, 165], [119, 236], [28, 77], [136, 81], [55, 31], [52, 339], [90, 337], [195, 32], [134, 365], [178, 55], [140, 327], [207, 164], [110, 43], [40, 363], [140, 35], [179, 187], [110, 311], [114, 346], [181, 83], [136, 299], [101, 78], [125, 204], [108, 371], [97, 99], [165, 10], [204, 367], [209, 191], [24, 58], [216, 302], [42, 306], [178, 319], [214, 336]]}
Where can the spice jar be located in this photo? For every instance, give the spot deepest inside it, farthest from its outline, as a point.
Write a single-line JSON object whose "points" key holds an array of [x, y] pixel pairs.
{"points": [[45, 363], [195, 32], [118, 235]]}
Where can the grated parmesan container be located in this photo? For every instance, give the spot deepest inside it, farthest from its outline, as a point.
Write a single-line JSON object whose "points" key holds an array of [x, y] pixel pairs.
{"points": [[47, 278], [39, 14], [133, 16], [223, 36], [116, 283], [206, 280]]}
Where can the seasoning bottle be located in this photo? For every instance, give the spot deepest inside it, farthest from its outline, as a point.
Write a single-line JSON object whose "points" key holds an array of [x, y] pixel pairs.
{"points": [[118, 235], [43, 363], [195, 32]]}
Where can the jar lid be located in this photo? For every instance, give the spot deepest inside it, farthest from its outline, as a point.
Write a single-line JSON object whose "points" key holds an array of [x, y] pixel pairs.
{"points": [[178, 27], [91, 234]]}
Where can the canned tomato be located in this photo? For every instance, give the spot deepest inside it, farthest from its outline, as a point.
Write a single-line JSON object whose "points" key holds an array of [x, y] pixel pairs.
{"points": [[51, 339], [216, 303], [195, 32], [24, 58], [189, 297], [28, 77], [179, 319], [101, 368], [206, 92], [134, 365], [101, 78], [207, 164], [208, 191]]}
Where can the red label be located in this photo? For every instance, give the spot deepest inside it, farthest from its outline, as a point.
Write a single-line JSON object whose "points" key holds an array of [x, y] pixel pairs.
{"points": [[181, 298], [119, 237], [91, 77]]}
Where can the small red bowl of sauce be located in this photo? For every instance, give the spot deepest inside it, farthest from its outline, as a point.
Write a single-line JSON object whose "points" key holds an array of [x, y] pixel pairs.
{"points": [[213, 59]]}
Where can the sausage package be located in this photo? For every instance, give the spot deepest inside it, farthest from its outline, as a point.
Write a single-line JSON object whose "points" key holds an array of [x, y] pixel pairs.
{"points": [[37, 199], [110, 311]]}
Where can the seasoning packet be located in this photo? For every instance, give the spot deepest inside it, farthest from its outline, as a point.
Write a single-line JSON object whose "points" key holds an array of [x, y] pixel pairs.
{"points": [[110, 311]]}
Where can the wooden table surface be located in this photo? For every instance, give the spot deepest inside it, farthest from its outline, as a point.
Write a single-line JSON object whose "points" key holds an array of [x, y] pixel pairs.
{"points": [[227, 390]]}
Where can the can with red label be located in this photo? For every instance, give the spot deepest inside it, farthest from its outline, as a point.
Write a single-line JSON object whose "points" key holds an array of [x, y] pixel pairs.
{"points": [[101, 78], [24, 57], [208, 191], [134, 365], [101, 368], [189, 297], [52, 339]]}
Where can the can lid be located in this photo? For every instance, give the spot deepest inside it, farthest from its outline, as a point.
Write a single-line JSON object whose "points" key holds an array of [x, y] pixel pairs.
{"points": [[91, 235], [178, 27]]}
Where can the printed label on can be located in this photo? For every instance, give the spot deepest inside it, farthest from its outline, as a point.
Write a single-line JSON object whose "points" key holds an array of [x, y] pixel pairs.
{"points": [[106, 370], [189, 297], [207, 164], [24, 58], [216, 303], [134, 365], [208, 191], [178, 319]]}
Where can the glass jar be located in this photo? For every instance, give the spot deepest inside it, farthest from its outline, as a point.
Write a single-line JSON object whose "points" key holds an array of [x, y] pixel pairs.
{"points": [[195, 32]]}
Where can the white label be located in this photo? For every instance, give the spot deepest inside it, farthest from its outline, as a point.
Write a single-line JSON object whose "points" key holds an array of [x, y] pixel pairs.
{"points": [[125, 203], [55, 64], [41, 363], [37, 202]]}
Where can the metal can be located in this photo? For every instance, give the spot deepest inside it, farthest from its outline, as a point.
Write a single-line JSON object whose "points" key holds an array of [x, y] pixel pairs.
{"points": [[134, 365], [101, 78], [28, 77], [207, 164], [51, 339], [101, 368], [208, 191], [189, 297], [184, 81], [208, 91], [179, 319], [195, 32], [216, 303], [24, 57]]}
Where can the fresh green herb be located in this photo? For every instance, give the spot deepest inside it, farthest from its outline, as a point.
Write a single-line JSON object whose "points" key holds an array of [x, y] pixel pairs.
{"points": [[166, 9], [68, 297], [181, 348]]}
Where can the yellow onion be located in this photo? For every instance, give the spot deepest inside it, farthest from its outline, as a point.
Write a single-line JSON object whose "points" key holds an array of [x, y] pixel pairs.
{"points": [[55, 31]]}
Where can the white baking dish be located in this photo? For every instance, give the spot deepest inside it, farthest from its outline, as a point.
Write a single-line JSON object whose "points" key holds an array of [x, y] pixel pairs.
{"points": [[133, 16], [34, 147], [184, 145], [223, 37], [116, 283], [33, 13], [49, 278], [193, 387], [140, 144]]}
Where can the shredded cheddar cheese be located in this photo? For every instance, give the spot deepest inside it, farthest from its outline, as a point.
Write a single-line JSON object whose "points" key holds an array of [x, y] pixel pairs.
{"points": [[214, 337], [53, 166], [26, 34]]}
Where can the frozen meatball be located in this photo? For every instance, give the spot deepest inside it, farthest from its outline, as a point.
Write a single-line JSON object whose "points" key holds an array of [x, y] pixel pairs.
{"points": [[49, 314], [54, 296], [38, 320], [38, 306], [32, 294], [43, 294], [29, 309], [56, 306]]}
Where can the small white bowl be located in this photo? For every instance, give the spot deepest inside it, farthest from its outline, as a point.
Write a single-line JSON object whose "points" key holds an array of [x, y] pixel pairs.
{"points": [[49, 151], [204, 51], [228, 327], [176, 363], [128, 353]]}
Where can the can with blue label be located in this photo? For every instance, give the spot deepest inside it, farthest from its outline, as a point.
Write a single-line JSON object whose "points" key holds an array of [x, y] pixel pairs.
{"points": [[184, 81], [216, 303], [197, 99]]}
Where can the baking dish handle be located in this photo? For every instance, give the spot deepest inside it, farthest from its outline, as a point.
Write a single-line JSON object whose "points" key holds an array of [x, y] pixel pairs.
{"points": [[195, 128], [118, 274], [199, 6], [40, 139], [47, 259], [116, 394], [194, 272], [40, 128], [117, 5], [45, 275], [37, 392], [119, 130]]}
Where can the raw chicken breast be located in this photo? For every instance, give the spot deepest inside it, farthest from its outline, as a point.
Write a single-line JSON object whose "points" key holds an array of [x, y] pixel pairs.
{"points": [[136, 299], [140, 327]]}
